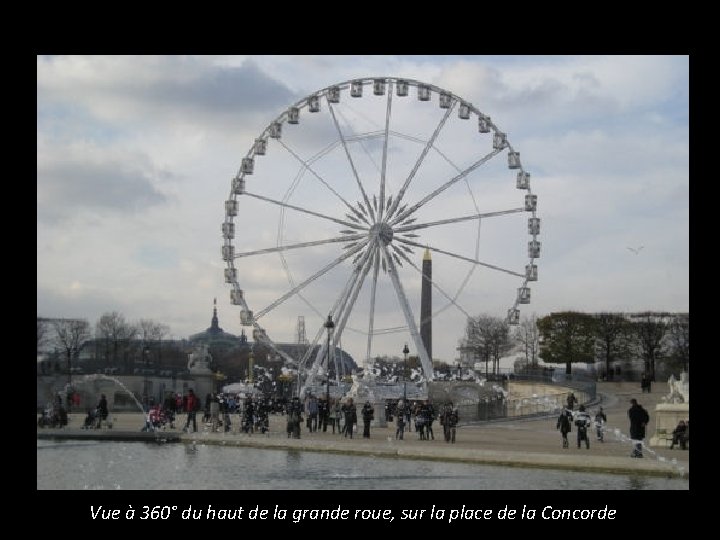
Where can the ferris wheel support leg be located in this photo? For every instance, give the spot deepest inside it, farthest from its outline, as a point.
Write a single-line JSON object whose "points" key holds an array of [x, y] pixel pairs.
{"points": [[409, 318]]}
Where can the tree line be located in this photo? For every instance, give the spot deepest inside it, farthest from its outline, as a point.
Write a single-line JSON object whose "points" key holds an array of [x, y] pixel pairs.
{"points": [[117, 342], [570, 337]]}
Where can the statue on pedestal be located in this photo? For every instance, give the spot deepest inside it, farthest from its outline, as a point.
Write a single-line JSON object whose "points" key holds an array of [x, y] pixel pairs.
{"points": [[199, 360]]}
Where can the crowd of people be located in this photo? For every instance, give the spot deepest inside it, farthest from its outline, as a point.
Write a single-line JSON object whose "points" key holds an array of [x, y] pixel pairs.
{"points": [[340, 416]]}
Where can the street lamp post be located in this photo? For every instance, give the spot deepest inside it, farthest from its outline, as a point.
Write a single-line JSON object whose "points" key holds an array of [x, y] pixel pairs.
{"points": [[405, 354], [330, 325]]}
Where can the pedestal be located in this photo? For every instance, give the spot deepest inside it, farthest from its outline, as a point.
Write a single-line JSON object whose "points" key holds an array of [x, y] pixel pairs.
{"points": [[667, 416]]}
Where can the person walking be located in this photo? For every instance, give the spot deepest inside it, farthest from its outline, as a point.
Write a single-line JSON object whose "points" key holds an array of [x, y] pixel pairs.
{"points": [[565, 426], [600, 421], [571, 401], [350, 417], [582, 421], [639, 419], [368, 414]]}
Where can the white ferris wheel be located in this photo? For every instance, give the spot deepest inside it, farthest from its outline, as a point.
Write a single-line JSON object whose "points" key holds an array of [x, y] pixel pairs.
{"points": [[339, 197]]}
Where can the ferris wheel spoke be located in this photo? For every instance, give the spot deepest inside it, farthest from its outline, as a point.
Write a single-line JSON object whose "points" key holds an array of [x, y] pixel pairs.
{"points": [[373, 290], [349, 253], [409, 317], [349, 157], [420, 159], [455, 255], [384, 154], [404, 215], [437, 287], [363, 270], [345, 238], [322, 181], [342, 308], [306, 211], [416, 226]]}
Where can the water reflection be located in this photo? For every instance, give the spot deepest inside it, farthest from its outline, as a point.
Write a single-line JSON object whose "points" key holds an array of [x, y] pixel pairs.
{"points": [[115, 465]]}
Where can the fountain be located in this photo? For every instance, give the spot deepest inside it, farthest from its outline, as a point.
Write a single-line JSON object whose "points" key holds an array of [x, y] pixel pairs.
{"points": [[99, 377]]}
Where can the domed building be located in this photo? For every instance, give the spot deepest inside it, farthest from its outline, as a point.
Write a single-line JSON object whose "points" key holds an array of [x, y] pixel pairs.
{"points": [[215, 337]]}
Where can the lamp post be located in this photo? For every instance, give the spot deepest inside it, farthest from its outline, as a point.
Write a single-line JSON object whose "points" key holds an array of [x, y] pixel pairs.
{"points": [[405, 354], [330, 325]]}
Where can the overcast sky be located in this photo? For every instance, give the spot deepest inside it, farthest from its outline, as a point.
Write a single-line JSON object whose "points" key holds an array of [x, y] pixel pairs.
{"points": [[135, 158]]}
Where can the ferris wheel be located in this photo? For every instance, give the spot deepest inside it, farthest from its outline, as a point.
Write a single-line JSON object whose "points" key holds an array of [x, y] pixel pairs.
{"points": [[341, 196]]}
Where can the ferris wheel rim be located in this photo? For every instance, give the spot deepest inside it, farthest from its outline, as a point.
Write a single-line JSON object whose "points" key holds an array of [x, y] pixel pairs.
{"points": [[283, 118]]}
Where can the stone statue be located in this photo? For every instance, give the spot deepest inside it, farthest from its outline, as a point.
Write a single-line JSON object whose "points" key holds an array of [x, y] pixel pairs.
{"points": [[679, 389], [199, 359]]}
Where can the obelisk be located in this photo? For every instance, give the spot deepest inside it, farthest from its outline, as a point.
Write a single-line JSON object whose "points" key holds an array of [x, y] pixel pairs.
{"points": [[426, 304]]}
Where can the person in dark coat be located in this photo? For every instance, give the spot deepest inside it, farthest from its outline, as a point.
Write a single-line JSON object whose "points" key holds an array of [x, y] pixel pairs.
{"points": [[639, 419], [368, 414], [102, 410], [565, 426], [679, 435]]}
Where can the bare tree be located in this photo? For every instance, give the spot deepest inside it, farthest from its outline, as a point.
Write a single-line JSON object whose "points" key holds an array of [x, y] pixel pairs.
{"points": [[116, 334], [70, 334], [650, 330], [612, 331], [151, 333], [41, 333], [528, 335], [680, 339], [488, 338]]}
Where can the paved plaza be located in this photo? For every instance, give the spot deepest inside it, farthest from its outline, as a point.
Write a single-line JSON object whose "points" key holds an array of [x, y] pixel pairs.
{"points": [[519, 443]]}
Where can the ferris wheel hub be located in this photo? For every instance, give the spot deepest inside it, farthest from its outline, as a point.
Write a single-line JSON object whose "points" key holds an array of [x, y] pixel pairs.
{"points": [[383, 231]]}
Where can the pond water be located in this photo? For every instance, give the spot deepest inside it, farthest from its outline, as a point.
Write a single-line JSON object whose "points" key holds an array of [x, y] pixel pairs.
{"points": [[88, 465]]}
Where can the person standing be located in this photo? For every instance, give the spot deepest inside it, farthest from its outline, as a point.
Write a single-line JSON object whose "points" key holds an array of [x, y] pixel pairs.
{"points": [[350, 417], [102, 410], [192, 405], [400, 431], [368, 413], [312, 414], [449, 421], [336, 415], [565, 426], [639, 419], [430, 418]]}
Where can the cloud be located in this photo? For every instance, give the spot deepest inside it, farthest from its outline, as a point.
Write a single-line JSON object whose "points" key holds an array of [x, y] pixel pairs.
{"points": [[136, 154], [146, 90], [81, 176]]}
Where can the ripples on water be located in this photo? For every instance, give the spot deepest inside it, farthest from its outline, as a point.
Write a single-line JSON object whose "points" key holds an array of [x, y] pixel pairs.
{"points": [[119, 465]]}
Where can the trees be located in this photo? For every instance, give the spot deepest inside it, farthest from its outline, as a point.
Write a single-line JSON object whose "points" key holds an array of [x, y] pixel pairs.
{"points": [[613, 333], [488, 338], [116, 335], [151, 332], [41, 333], [70, 334], [567, 337], [528, 335], [650, 329], [679, 334]]}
